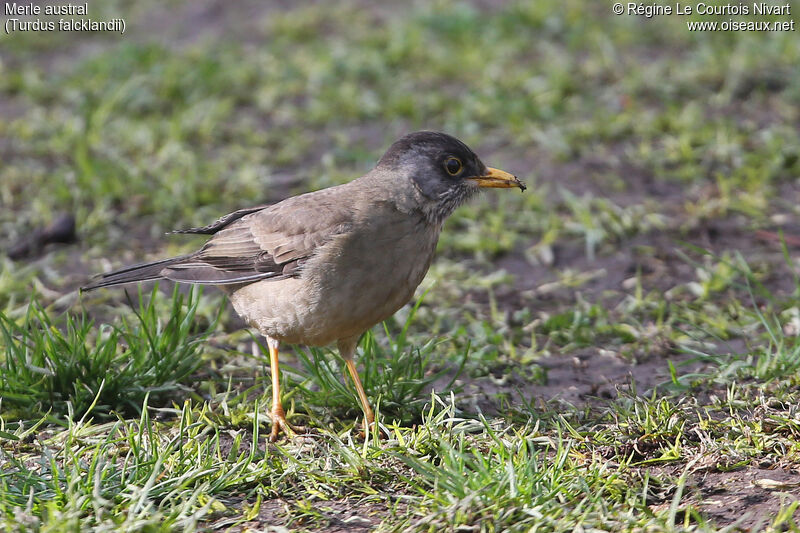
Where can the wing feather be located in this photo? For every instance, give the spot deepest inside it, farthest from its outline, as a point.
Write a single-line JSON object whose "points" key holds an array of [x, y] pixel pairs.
{"points": [[265, 243]]}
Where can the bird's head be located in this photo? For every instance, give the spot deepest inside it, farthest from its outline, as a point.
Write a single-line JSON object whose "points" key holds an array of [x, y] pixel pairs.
{"points": [[443, 170]]}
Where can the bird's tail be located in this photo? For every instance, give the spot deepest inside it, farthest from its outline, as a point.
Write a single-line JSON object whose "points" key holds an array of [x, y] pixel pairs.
{"points": [[130, 274]]}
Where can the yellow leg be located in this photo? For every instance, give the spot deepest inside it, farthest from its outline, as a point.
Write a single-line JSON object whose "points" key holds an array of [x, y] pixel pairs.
{"points": [[369, 416], [278, 415]]}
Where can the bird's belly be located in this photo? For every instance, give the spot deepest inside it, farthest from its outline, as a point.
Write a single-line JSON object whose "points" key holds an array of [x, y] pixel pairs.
{"points": [[341, 293], [357, 295], [365, 300]]}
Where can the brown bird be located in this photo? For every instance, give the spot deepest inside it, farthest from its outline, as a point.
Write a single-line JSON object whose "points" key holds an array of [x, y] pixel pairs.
{"points": [[326, 266]]}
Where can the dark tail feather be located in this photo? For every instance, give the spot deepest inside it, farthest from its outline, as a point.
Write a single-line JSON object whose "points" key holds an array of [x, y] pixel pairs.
{"points": [[141, 272]]}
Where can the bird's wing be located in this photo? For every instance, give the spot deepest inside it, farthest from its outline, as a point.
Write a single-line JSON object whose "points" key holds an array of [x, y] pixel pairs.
{"points": [[269, 243], [221, 222]]}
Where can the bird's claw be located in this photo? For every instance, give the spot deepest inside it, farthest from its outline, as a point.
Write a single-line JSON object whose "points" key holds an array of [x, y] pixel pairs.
{"points": [[279, 424]]}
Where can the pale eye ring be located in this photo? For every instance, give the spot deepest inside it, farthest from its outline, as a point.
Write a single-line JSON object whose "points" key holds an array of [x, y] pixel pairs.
{"points": [[453, 165]]}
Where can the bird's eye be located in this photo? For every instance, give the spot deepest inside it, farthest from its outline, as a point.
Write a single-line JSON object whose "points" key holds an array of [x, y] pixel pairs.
{"points": [[453, 165]]}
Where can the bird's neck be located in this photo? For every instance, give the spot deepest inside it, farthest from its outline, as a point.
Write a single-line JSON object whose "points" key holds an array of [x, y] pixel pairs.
{"points": [[406, 197]]}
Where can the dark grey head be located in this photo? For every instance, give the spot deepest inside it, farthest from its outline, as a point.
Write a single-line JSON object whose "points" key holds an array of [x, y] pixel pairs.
{"points": [[443, 169]]}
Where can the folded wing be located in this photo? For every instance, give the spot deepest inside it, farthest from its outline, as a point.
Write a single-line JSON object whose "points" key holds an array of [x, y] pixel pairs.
{"points": [[251, 244]]}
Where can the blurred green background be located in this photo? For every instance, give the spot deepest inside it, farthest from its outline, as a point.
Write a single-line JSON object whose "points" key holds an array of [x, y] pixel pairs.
{"points": [[204, 107]]}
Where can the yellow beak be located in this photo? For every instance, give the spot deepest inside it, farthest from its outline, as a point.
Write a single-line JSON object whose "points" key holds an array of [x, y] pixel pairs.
{"points": [[498, 179]]}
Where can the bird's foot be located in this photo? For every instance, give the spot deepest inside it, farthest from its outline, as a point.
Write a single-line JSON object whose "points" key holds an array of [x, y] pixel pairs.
{"points": [[381, 435], [369, 427], [279, 424]]}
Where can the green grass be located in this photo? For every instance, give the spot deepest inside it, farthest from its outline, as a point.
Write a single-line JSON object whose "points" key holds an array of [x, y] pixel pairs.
{"points": [[397, 376], [76, 368], [449, 468], [662, 169]]}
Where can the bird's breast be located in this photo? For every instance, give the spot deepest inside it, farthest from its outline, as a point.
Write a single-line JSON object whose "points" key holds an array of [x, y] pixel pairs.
{"points": [[354, 281], [365, 276]]}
